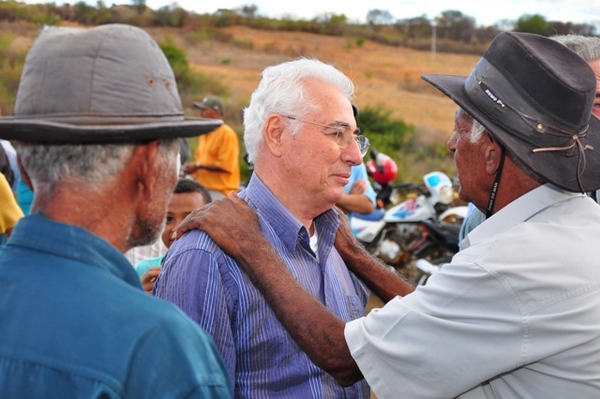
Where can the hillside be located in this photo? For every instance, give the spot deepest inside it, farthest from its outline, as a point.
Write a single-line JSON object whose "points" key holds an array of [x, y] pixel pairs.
{"points": [[385, 75]]}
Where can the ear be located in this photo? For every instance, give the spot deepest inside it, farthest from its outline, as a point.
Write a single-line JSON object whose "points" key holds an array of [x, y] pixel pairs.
{"points": [[492, 152], [273, 134], [143, 160], [24, 175]]}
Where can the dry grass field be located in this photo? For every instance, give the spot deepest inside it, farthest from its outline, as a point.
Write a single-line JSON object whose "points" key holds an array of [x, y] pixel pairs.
{"points": [[384, 75]]}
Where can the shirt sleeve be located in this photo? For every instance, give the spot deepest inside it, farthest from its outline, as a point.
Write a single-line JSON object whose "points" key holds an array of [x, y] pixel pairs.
{"points": [[193, 279], [447, 337], [177, 359]]}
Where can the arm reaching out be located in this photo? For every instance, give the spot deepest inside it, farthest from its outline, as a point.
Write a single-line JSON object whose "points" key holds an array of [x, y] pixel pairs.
{"points": [[149, 278]]}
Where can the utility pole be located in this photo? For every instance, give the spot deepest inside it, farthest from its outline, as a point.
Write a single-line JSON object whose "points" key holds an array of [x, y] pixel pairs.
{"points": [[433, 26]]}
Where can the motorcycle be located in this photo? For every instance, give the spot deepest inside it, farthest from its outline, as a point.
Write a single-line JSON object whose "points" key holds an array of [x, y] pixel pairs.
{"points": [[424, 226]]}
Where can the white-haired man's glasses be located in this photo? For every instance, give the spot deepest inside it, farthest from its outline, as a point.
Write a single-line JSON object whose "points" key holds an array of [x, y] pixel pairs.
{"points": [[341, 133]]}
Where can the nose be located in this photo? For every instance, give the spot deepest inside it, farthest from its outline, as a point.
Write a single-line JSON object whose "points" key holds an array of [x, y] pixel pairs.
{"points": [[451, 144], [352, 153]]}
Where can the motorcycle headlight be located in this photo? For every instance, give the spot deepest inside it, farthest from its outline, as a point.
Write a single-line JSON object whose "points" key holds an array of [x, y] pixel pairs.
{"points": [[446, 194]]}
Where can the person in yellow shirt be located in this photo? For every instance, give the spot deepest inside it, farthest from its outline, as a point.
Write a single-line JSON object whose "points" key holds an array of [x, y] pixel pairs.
{"points": [[217, 164], [10, 213]]}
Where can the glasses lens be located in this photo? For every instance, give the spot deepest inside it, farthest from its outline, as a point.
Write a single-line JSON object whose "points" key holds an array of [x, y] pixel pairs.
{"points": [[363, 144]]}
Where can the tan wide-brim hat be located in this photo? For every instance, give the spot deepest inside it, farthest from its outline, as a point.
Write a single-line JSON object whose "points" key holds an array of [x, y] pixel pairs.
{"points": [[106, 84], [535, 97]]}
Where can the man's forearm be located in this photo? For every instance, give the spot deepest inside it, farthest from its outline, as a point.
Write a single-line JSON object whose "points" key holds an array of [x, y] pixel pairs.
{"points": [[376, 275], [210, 167], [356, 203], [382, 282], [314, 328]]}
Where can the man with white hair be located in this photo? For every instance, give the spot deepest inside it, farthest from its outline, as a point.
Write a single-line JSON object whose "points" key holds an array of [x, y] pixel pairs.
{"points": [[301, 135], [97, 119]]}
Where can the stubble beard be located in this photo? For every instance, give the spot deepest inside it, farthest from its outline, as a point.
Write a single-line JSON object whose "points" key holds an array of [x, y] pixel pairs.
{"points": [[145, 232]]}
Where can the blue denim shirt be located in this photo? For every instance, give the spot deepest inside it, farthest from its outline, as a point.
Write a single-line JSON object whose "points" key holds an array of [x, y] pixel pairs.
{"points": [[263, 359], [75, 323]]}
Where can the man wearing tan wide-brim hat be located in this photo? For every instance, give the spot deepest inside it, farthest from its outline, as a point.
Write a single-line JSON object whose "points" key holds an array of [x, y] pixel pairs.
{"points": [[96, 120], [516, 314]]}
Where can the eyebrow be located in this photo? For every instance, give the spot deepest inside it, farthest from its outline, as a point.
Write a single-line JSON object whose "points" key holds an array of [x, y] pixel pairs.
{"points": [[339, 123]]}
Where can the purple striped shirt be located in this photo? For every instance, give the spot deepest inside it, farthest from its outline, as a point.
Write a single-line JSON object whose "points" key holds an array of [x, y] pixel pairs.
{"points": [[209, 286]]}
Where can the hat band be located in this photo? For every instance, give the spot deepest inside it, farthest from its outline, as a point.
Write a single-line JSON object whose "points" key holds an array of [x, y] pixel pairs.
{"points": [[101, 119], [496, 97]]}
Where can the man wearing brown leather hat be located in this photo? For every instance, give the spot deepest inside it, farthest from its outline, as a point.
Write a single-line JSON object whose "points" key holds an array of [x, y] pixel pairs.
{"points": [[516, 314], [97, 119]]}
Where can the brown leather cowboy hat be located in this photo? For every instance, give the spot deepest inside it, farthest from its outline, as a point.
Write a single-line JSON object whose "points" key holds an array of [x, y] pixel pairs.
{"points": [[535, 96], [106, 84]]}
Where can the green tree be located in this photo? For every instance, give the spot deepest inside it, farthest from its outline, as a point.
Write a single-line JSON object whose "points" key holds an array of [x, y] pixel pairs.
{"points": [[379, 17], [454, 25], [414, 27], [386, 134], [533, 24], [398, 139], [330, 23], [11, 66], [140, 5], [189, 82], [248, 11]]}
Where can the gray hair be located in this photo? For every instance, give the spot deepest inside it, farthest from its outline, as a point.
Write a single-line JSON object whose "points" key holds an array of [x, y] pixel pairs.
{"points": [[477, 128], [587, 47], [281, 90], [476, 132], [94, 165]]}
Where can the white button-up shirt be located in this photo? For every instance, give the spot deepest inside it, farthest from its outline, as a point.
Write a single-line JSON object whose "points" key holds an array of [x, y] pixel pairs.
{"points": [[515, 315]]}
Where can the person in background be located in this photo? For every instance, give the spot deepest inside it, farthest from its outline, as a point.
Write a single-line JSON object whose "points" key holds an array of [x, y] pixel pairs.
{"points": [[588, 48], [188, 196], [10, 213], [97, 117], [217, 165], [23, 194], [516, 314], [8, 164], [302, 137], [359, 195], [9, 209], [153, 250]]}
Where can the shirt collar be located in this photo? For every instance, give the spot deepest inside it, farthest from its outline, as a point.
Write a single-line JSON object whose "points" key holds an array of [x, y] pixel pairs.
{"points": [[518, 211], [69, 241], [286, 225]]}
